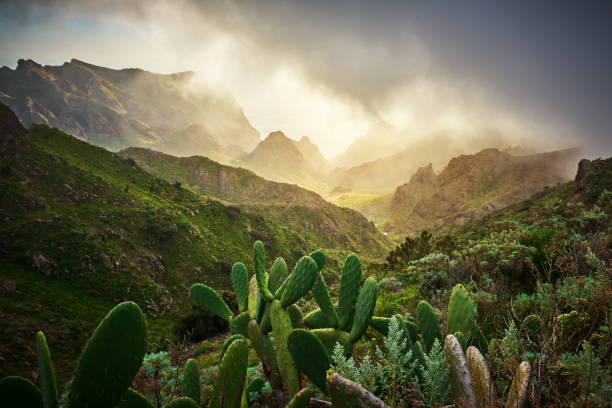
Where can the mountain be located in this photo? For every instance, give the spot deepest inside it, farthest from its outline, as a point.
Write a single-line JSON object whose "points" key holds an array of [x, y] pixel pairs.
{"points": [[284, 160], [303, 211], [128, 107], [384, 174], [471, 186]]}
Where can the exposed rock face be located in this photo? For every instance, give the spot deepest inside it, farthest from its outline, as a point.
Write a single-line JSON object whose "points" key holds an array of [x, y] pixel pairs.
{"points": [[128, 107], [473, 185]]}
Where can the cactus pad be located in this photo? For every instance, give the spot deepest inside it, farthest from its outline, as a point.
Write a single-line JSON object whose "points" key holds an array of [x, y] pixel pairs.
{"points": [[520, 385], [227, 343], [319, 257], [301, 399], [229, 383], [429, 324], [191, 380], [111, 358], [460, 380], [364, 309], [19, 392], [300, 281], [349, 290], [45, 369], [481, 378], [211, 301], [324, 300], [346, 394], [265, 351], [297, 317], [260, 271], [134, 399], [278, 274], [184, 402], [532, 324], [329, 338], [281, 327], [239, 281], [253, 298], [380, 324], [310, 356], [462, 314], [238, 325], [316, 320]]}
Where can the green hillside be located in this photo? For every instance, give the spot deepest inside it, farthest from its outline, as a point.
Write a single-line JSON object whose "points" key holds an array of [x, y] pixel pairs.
{"points": [[96, 229], [305, 212]]}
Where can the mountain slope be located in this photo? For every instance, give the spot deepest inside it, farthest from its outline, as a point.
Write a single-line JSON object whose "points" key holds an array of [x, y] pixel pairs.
{"points": [[471, 186], [121, 108], [284, 160], [303, 211]]}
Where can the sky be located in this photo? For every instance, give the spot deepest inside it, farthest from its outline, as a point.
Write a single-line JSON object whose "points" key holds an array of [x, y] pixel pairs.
{"points": [[537, 71]]}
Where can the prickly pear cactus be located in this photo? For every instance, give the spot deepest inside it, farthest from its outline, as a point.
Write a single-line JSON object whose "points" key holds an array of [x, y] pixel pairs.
{"points": [[278, 274], [191, 380], [260, 271], [238, 324], [254, 297], [481, 379], [329, 338], [520, 385], [134, 399], [45, 369], [429, 324], [229, 383], [316, 320], [183, 402], [346, 394], [460, 380], [239, 281], [265, 351], [110, 360], [324, 300], [462, 314], [281, 327], [19, 392], [297, 317], [211, 301], [301, 399], [380, 324], [310, 356], [364, 309], [300, 281], [350, 281], [227, 343]]}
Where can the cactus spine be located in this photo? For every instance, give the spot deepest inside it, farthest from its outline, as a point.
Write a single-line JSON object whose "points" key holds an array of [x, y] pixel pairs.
{"points": [[110, 359], [239, 281], [229, 383], [349, 290], [191, 380], [428, 324], [364, 309], [47, 376]]}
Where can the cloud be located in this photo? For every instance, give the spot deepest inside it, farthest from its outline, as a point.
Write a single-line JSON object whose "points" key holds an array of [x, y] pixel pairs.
{"points": [[333, 69]]}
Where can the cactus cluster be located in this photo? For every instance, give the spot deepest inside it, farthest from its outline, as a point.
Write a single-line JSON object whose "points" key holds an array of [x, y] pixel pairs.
{"points": [[105, 370], [288, 343], [471, 381]]}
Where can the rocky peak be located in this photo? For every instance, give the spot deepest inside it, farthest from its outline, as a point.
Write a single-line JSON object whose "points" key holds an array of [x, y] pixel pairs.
{"points": [[424, 175]]}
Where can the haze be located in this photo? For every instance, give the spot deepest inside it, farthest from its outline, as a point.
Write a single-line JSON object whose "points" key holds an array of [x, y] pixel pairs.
{"points": [[536, 73]]}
